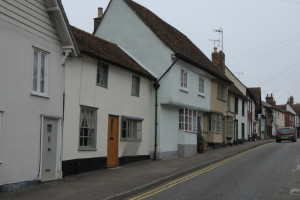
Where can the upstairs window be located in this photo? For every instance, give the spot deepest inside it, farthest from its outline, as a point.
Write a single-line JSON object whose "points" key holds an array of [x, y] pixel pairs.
{"points": [[228, 102], [135, 90], [201, 85], [102, 74], [39, 72], [183, 79], [243, 108], [222, 90], [236, 110]]}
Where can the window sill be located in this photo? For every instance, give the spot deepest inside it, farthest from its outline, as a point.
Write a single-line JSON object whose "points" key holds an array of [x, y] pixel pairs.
{"points": [[184, 131], [222, 99], [103, 86], [201, 95], [130, 140], [40, 95], [184, 90], [87, 149]]}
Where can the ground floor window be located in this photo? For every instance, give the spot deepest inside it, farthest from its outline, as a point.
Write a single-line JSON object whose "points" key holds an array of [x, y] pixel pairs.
{"points": [[131, 129], [215, 123], [88, 124], [188, 120], [229, 127]]}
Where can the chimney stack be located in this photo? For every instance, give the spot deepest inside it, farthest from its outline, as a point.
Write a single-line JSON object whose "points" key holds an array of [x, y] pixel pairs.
{"points": [[98, 19], [269, 99], [291, 100], [218, 58]]}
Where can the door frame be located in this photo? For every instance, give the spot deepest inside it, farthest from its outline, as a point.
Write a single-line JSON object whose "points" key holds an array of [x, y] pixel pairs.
{"points": [[58, 171], [118, 139]]}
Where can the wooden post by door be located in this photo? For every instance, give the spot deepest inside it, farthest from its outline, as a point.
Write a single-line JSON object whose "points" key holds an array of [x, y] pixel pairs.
{"points": [[112, 141]]}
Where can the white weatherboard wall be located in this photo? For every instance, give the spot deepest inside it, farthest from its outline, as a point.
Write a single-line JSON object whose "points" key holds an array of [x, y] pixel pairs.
{"points": [[21, 119], [116, 99]]}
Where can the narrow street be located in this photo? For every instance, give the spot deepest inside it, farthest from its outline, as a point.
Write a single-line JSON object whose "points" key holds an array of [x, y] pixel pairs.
{"points": [[271, 171]]}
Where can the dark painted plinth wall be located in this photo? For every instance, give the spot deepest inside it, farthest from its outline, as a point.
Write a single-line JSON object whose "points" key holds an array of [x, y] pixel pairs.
{"points": [[77, 166]]}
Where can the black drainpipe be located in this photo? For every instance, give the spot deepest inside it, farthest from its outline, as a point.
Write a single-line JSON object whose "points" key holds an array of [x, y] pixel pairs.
{"points": [[156, 86]]}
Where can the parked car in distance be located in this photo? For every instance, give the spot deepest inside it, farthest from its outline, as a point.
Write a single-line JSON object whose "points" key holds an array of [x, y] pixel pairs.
{"points": [[285, 134]]}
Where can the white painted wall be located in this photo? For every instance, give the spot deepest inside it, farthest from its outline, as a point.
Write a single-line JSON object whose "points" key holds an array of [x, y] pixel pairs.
{"points": [[136, 37], [81, 89], [21, 120]]}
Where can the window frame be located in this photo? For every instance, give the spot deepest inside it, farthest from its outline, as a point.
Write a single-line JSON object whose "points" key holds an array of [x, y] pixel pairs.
{"points": [[135, 87], [138, 131], [215, 123], [201, 90], [229, 126], [236, 105], [98, 74], [228, 102], [222, 92], [38, 66], [188, 120], [94, 142], [184, 80], [243, 108]]}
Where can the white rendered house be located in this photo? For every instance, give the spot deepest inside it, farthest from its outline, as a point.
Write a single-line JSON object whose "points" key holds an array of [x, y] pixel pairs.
{"points": [[107, 107]]}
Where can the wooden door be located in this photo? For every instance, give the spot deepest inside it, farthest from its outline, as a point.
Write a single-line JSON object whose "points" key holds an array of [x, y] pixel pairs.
{"points": [[112, 141]]}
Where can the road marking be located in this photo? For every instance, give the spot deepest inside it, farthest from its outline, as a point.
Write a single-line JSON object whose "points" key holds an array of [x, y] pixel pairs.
{"points": [[192, 175], [295, 191]]}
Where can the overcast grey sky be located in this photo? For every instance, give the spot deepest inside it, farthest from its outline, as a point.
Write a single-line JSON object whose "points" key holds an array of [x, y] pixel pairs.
{"points": [[261, 37]]}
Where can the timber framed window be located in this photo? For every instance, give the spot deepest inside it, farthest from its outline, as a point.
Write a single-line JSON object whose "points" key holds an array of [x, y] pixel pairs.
{"points": [[183, 79], [102, 74], [201, 86], [236, 110], [131, 129], [229, 126], [243, 108], [188, 120], [40, 72], [135, 89], [88, 128], [222, 91], [215, 123]]}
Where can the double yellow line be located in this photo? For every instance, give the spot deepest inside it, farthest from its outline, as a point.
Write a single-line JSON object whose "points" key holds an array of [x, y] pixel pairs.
{"points": [[192, 175]]}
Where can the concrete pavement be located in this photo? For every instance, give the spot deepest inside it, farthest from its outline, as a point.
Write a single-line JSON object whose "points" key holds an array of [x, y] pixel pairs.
{"points": [[118, 183]]}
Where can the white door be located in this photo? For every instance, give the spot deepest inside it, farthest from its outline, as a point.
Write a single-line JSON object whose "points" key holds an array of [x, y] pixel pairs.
{"points": [[49, 149]]}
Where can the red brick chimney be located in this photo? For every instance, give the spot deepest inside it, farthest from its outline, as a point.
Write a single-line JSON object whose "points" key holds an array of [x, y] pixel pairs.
{"points": [[218, 58], [269, 99], [291, 100], [98, 19]]}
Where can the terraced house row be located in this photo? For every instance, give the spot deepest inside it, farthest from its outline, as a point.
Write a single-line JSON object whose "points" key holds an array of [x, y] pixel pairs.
{"points": [[137, 88]]}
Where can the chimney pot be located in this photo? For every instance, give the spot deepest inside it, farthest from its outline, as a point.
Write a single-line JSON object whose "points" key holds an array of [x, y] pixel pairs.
{"points": [[100, 12], [215, 49]]}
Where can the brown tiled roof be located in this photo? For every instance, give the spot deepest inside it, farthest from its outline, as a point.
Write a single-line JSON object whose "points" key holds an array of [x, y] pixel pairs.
{"points": [[234, 90], [99, 48], [256, 92], [296, 107], [184, 48], [283, 107]]}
